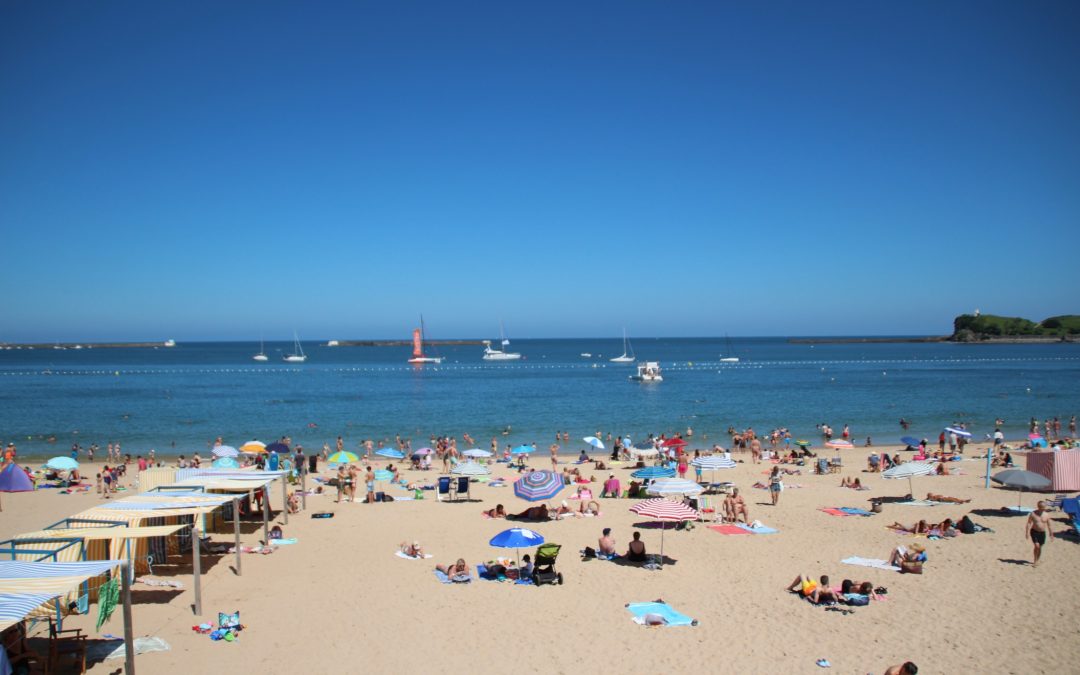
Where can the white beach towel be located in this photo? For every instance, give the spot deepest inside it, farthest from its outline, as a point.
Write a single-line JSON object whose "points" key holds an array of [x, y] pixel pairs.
{"points": [[918, 502], [401, 554], [870, 562]]}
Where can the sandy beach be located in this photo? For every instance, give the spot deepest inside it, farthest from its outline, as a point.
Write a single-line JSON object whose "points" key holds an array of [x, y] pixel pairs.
{"points": [[340, 600]]}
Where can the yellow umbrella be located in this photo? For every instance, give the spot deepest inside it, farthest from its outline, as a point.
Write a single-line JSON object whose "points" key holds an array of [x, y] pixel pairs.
{"points": [[253, 448]]}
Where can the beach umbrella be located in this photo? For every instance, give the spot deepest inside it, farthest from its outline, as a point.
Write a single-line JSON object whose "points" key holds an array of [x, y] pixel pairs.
{"points": [[225, 451], [470, 469], [422, 452], [907, 470], [278, 447], [253, 448], [342, 457], [538, 486], [476, 452], [523, 450], [644, 452], [713, 463], [910, 441], [840, 445], [666, 511], [62, 464], [803, 443], [594, 441], [383, 475], [390, 453], [14, 479], [654, 472], [225, 463], [674, 487], [673, 443], [958, 431], [517, 538], [1018, 478]]}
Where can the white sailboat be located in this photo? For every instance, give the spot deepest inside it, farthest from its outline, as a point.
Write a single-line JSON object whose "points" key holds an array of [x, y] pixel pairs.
{"points": [[500, 354], [627, 350], [418, 346], [728, 359], [261, 356], [298, 355]]}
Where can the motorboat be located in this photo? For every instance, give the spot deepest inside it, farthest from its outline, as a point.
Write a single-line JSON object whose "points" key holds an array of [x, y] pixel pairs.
{"points": [[500, 354], [648, 371]]}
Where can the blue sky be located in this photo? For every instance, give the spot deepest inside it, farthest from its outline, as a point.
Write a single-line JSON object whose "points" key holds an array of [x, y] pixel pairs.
{"points": [[219, 170]]}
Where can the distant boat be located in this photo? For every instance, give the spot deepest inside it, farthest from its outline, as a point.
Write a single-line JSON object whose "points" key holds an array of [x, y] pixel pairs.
{"points": [[298, 355], [497, 354], [418, 346], [261, 356], [649, 371], [333, 343], [627, 350], [728, 359], [170, 343], [586, 355]]}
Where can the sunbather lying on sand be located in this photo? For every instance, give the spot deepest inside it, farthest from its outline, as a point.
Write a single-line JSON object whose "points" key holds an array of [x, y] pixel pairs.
{"points": [[903, 554], [413, 550], [497, 512], [930, 496], [853, 483], [921, 527], [819, 593], [457, 570], [531, 513]]}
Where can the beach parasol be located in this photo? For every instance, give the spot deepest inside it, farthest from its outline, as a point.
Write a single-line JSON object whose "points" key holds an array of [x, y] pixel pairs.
{"points": [[665, 511], [713, 463], [225, 451], [803, 443], [476, 452], [517, 538], [225, 463], [594, 441], [908, 470], [643, 452], [253, 448], [14, 479], [958, 431], [62, 464], [278, 447], [654, 472], [1018, 478], [470, 469], [840, 445], [673, 443], [342, 457], [383, 475], [538, 486], [674, 487], [909, 441], [390, 453], [523, 450]]}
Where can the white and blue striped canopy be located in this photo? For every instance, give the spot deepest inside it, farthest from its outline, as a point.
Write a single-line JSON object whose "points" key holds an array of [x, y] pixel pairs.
{"points": [[25, 586], [714, 462], [14, 607], [225, 451], [157, 506], [672, 487], [470, 469]]}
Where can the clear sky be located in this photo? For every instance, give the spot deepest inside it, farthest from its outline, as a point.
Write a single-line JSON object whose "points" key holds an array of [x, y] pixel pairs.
{"points": [[217, 170]]}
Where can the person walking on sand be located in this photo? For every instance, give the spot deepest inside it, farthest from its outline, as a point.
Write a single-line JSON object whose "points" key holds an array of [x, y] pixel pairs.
{"points": [[1038, 530], [755, 451], [554, 457], [775, 479]]}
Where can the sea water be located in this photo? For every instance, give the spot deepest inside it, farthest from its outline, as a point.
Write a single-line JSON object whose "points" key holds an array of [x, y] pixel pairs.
{"points": [[178, 399]]}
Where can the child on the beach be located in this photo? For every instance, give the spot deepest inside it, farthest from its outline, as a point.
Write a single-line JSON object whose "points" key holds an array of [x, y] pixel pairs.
{"points": [[99, 483]]}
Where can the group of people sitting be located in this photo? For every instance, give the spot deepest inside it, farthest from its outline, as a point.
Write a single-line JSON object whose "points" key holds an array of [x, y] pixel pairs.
{"points": [[635, 550], [821, 592]]}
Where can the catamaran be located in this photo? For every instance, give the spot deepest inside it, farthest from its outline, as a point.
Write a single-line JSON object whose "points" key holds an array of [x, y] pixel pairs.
{"points": [[298, 355], [649, 371], [500, 354], [627, 350], [261, 356], [418, 346]]}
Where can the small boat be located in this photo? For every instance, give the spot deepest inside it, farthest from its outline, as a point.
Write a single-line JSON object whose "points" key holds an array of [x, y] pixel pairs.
{"points": [[500, 354], [648, 371], [170, 343], [261, 356], [627, 351], [418, 347], [333, 343], [298, 355], [586, 355], [728, 359]]}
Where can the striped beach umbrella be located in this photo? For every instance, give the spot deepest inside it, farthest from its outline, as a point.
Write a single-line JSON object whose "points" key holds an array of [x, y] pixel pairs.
{"points": [[253, 448], [342, 457], [225, 463], [594, 441], [839, 445], [654, 472], [713, 463], [470, 469], [642, 452], [907, 470], [537, 486], [666, 511], [476, 452], [390, 453], [225, 451], [674, 487]]}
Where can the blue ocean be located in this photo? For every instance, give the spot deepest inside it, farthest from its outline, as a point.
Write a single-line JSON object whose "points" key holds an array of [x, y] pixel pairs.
{"points": [[177, 399]]}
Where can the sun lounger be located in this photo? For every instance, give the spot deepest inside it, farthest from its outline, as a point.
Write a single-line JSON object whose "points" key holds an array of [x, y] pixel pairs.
{"points": [[402, 554]]}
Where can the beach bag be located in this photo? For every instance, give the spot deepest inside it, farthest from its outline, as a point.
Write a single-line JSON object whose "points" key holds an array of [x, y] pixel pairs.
{"points": [[589, 552], [275, 532], [967, 526], [910, 567]]}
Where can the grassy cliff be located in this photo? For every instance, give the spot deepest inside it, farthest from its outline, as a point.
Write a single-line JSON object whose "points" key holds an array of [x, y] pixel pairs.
{"points": [[970, 328]]}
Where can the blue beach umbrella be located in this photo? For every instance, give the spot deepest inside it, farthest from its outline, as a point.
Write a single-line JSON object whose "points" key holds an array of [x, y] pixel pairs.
{"points": [[909, 440], [391, 453], [342, 457], [62, 464], [278, 447], [674, 487], [517, 538], [958, 431], [476, 452], [523, 450], [537, 486], [225, 451], [654, 472], [225, 463], [594, 441]]}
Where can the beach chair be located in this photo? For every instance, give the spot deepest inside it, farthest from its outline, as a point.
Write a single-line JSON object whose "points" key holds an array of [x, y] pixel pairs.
{"points": [[822, 466], [443, 488], [461, 487], [20, 656], [707, 509], [836, 464], [66, 644], [544, 565]]}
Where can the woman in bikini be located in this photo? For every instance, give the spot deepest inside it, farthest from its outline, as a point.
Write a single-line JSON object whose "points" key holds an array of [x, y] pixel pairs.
{"points": [[458, 569], [497, 512]]}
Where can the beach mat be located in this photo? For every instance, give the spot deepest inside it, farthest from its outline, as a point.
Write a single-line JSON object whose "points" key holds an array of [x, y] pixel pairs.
{"points": [[917, 502], [670, 616], [856, 512], [761, 529], [401, 554], [441, 576], [870, 562], [730, 529], [284, 542], [835, 512]]}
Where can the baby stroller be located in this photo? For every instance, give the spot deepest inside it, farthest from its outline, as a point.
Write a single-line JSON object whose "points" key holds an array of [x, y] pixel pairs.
{"points": [[544, 565]]}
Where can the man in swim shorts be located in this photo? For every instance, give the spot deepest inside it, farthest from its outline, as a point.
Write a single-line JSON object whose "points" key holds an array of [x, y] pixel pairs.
{"points": [[1038, 527]]}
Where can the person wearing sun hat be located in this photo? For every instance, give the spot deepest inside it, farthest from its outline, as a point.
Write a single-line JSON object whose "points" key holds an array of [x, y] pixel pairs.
{"points": [[901, 554]]}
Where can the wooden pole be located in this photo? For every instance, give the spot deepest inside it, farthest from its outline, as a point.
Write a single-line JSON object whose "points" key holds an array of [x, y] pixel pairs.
{"points": [[129, 630], [196, 565], [236, 531]]}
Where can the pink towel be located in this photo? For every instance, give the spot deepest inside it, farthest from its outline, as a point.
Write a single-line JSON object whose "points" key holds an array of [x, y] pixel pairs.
{"points": [[729, 529]]}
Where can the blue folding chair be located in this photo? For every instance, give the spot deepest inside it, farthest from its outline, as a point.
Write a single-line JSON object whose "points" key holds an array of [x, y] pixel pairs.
{"points": [[443, 488]]}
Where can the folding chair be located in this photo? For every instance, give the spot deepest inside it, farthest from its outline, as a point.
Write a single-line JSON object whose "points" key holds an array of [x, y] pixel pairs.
{"points": [[836, 464], [462, 488], [707, 509], [66, 644], [443, 488]]}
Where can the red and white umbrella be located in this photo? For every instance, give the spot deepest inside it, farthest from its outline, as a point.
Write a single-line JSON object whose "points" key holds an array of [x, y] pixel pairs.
{"points": [[840, 445], [665, 511]]}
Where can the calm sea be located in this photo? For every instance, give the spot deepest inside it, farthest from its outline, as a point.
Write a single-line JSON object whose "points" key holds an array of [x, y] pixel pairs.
{"points": [[177, 399]]}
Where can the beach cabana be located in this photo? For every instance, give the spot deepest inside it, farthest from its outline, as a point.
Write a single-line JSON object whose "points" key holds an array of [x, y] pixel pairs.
{"points": [[1062, 468], [231, 483]]}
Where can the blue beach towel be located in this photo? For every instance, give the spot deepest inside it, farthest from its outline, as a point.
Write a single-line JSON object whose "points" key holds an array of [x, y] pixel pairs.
{"points": [[284, 542], [441, 576], [757, 530], [673, 618], [856, 512]]}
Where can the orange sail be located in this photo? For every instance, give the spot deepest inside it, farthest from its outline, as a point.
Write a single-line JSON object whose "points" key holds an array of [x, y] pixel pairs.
{"points": [[417, 343]]}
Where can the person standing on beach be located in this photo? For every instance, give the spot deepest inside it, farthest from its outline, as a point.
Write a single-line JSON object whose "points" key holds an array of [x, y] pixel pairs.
{"points": [[554, 457], [775, 479], [755, 451], [1038, 530], [1072, 426]]}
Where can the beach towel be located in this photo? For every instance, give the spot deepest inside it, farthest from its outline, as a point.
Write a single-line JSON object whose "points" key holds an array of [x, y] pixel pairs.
{"points": [[98, 650], [441, 576], [644, 611], [730, 529], [169, 583], [283, 542], [760, 529], [917, 502], [835, 512], [855, 512], [870, 562], [402, 554]]}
